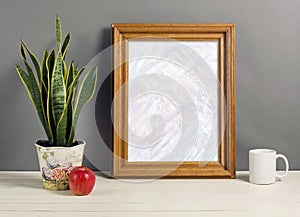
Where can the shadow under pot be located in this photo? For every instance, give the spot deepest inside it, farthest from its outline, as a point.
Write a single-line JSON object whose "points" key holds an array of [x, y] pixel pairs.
{"points": [[57, 162]]}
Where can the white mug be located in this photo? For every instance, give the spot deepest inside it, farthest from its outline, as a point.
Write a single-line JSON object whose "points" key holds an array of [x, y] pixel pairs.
{"points": [[262, 166]]}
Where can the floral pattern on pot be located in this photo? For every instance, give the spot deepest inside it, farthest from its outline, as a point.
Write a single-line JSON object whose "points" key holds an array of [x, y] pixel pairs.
{"points": [[56, 163], [57, 172]]}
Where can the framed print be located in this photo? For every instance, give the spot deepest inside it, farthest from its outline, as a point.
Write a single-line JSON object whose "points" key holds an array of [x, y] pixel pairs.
{"points": [[173, 104]]}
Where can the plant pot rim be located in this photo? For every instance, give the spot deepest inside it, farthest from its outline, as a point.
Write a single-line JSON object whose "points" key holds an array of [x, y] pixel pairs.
{"points": [[38, 144]]}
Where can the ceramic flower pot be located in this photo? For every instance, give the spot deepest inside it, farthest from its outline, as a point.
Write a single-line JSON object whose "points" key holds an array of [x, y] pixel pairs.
{"points": [[57, 162]]}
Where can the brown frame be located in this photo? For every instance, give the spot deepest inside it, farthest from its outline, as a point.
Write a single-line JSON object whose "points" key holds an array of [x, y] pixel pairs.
{"points": [[225, 34]]}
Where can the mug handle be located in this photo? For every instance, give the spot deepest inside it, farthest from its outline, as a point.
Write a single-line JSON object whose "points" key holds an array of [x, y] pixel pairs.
{"points": [[286, 165]]}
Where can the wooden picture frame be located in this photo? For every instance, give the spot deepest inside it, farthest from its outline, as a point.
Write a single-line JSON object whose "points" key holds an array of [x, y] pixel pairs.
{"points": [[224, 35]]}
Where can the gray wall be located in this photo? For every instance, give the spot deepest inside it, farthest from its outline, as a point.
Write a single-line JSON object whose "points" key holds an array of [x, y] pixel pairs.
{"points": [[267, 68]]}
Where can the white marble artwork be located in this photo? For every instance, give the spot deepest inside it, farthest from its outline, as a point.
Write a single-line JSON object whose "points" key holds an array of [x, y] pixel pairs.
{"points": [[172, 101]]}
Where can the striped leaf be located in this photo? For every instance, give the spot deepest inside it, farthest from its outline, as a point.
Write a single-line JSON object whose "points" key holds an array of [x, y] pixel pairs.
{"points": [[65, 45], [58, 90], [50, 66], [70, 117], [70, 75], [74, 80], [62, 124], [44, 70], [44, 91], [23, 54], [33, 92], [58, 32], [33, 59], [85, 93], [71, 91], [65, 71], [76, 70], [77, 74], [30, 86]]}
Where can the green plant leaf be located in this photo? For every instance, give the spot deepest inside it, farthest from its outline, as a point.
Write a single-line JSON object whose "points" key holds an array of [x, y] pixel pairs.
{"points": [[50, 66], [65, 45], [71, 91], [58, 89], [74, 81], [65, 71], [62, 124], [76, 70], [44, 80], [29, 85], [70, 75], [44, 92], [58, 32], [23, 54], [70, 117], [86, 92], [33, 59], [33, 93]]}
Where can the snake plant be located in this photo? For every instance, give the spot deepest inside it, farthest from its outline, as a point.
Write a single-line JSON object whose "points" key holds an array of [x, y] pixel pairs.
{"points": [[55, 93]]}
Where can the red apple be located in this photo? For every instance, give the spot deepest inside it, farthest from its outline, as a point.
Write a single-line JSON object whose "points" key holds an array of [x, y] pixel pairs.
{"points": [[81, 180]]}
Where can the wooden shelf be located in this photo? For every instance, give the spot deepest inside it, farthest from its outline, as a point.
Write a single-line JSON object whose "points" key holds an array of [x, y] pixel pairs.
{"points": [[21, 194]]}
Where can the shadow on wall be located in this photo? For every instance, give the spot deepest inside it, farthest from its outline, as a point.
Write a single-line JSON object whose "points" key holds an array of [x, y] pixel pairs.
{"points": [[103, 103]]}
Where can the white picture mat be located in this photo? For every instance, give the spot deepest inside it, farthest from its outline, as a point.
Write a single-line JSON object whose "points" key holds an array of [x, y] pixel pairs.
{"points": [[155, 120]]}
